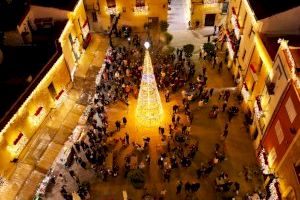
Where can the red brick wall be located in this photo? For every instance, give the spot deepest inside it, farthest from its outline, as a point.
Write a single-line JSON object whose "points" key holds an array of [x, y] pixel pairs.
{"points": [[270, 139]]}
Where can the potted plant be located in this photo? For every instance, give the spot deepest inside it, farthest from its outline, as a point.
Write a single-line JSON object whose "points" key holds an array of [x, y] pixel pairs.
{"points": [[188, 50], [163, 26], [210, 49]]}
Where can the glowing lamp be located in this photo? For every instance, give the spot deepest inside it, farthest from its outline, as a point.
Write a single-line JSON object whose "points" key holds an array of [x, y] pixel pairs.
{"points": [[147, 45]]}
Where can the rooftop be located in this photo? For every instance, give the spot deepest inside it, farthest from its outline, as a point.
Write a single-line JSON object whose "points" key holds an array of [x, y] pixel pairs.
{"points": [[267, 8], [22, 63], [13, 11], [61, 4], [271, 42]]}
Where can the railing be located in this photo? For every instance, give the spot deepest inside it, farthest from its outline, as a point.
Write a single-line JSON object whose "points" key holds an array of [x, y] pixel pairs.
{"points": [[141, 10]]}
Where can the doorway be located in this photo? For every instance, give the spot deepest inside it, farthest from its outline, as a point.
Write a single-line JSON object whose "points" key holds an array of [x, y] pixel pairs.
{"points": [[210, 19], [52, 90]]}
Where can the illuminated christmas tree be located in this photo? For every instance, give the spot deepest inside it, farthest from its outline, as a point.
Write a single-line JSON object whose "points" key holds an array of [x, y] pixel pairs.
{"points": [[149, 111]]}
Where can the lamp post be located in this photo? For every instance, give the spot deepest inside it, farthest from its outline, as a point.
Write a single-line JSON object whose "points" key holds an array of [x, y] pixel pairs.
{"points": [[147, 45], [129, 42]]}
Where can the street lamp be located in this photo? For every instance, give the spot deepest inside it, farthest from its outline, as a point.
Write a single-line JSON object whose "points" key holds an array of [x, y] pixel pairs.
{"points": [[147, 45]]}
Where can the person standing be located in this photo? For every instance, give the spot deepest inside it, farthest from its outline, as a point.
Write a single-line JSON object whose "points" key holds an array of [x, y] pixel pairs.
{"points": [[178, 187], [127, 138], [224, 106], [187, 187], [211, 91], [162, 131], [226, 126], [225, 134], [167, 96], [124, 121], [118, 125], [183, 129]]}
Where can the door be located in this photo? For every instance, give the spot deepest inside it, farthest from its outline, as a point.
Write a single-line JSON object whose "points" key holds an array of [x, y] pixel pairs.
{"points": [[210, 19], [52, 90]]}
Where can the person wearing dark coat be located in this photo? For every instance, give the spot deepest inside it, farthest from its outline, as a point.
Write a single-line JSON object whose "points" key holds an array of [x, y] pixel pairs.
{"points": [[187, 187], [124, 121], [195, 187]]}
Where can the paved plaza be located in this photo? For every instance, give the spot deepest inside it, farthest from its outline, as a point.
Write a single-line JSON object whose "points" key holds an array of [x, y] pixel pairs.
{"points": [[59, 124], [238, 147]]}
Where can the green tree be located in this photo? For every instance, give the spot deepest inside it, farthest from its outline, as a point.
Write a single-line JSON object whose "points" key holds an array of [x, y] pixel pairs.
{"points": [[210, 49], [167, 50], [188, 50], [163, 26], [137, 178], [168, 37]]}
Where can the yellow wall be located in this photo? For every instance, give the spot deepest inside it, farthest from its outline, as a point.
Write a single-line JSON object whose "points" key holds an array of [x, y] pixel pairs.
{"points": [[156, 8], [200, 10], [77, 19], [24, 120]]}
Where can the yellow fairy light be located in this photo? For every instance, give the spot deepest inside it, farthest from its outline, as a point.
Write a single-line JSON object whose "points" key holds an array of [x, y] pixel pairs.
{"points": [[149, 111]]}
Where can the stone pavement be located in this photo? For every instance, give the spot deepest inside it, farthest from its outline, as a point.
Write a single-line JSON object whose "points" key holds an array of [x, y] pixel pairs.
{"points": [[59, 124], [238, 147]]}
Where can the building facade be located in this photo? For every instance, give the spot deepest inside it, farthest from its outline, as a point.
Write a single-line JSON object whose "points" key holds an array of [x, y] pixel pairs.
{"points": [[281, 140], [266, 74], [252, 45], [48, 91], [207, 12], [133, 13]]}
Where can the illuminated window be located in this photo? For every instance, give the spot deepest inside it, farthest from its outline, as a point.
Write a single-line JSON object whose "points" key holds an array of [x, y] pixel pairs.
{"points": [[272, 156], [290, 109], [140, 3], [111, 3], [279, 132]]}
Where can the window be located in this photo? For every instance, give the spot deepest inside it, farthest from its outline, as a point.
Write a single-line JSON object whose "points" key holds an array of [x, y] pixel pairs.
{"points": [[140, 3], [279, 133], [259, 65], [250, 31], [244, 54], [52, 90], [290, 109], [111, 3], [245, 17], [272, 156], [253, 85], [278, 73], [94, 16]]}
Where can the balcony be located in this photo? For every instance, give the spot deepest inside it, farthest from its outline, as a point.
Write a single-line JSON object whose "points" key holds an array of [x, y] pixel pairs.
{"points": [[235, 24], [112, 10], [141, 10]]}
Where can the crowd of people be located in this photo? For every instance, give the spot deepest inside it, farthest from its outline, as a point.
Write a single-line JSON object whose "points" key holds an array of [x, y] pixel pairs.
{"points": [[120, 78]]}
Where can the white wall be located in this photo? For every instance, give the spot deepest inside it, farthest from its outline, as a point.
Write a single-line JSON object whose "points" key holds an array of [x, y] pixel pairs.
{"points": [[281, 83], [286, 22]]}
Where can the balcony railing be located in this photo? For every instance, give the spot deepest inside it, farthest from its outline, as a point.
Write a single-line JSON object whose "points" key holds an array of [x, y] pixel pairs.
{"points": [[141, 10], [112, 10]]}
